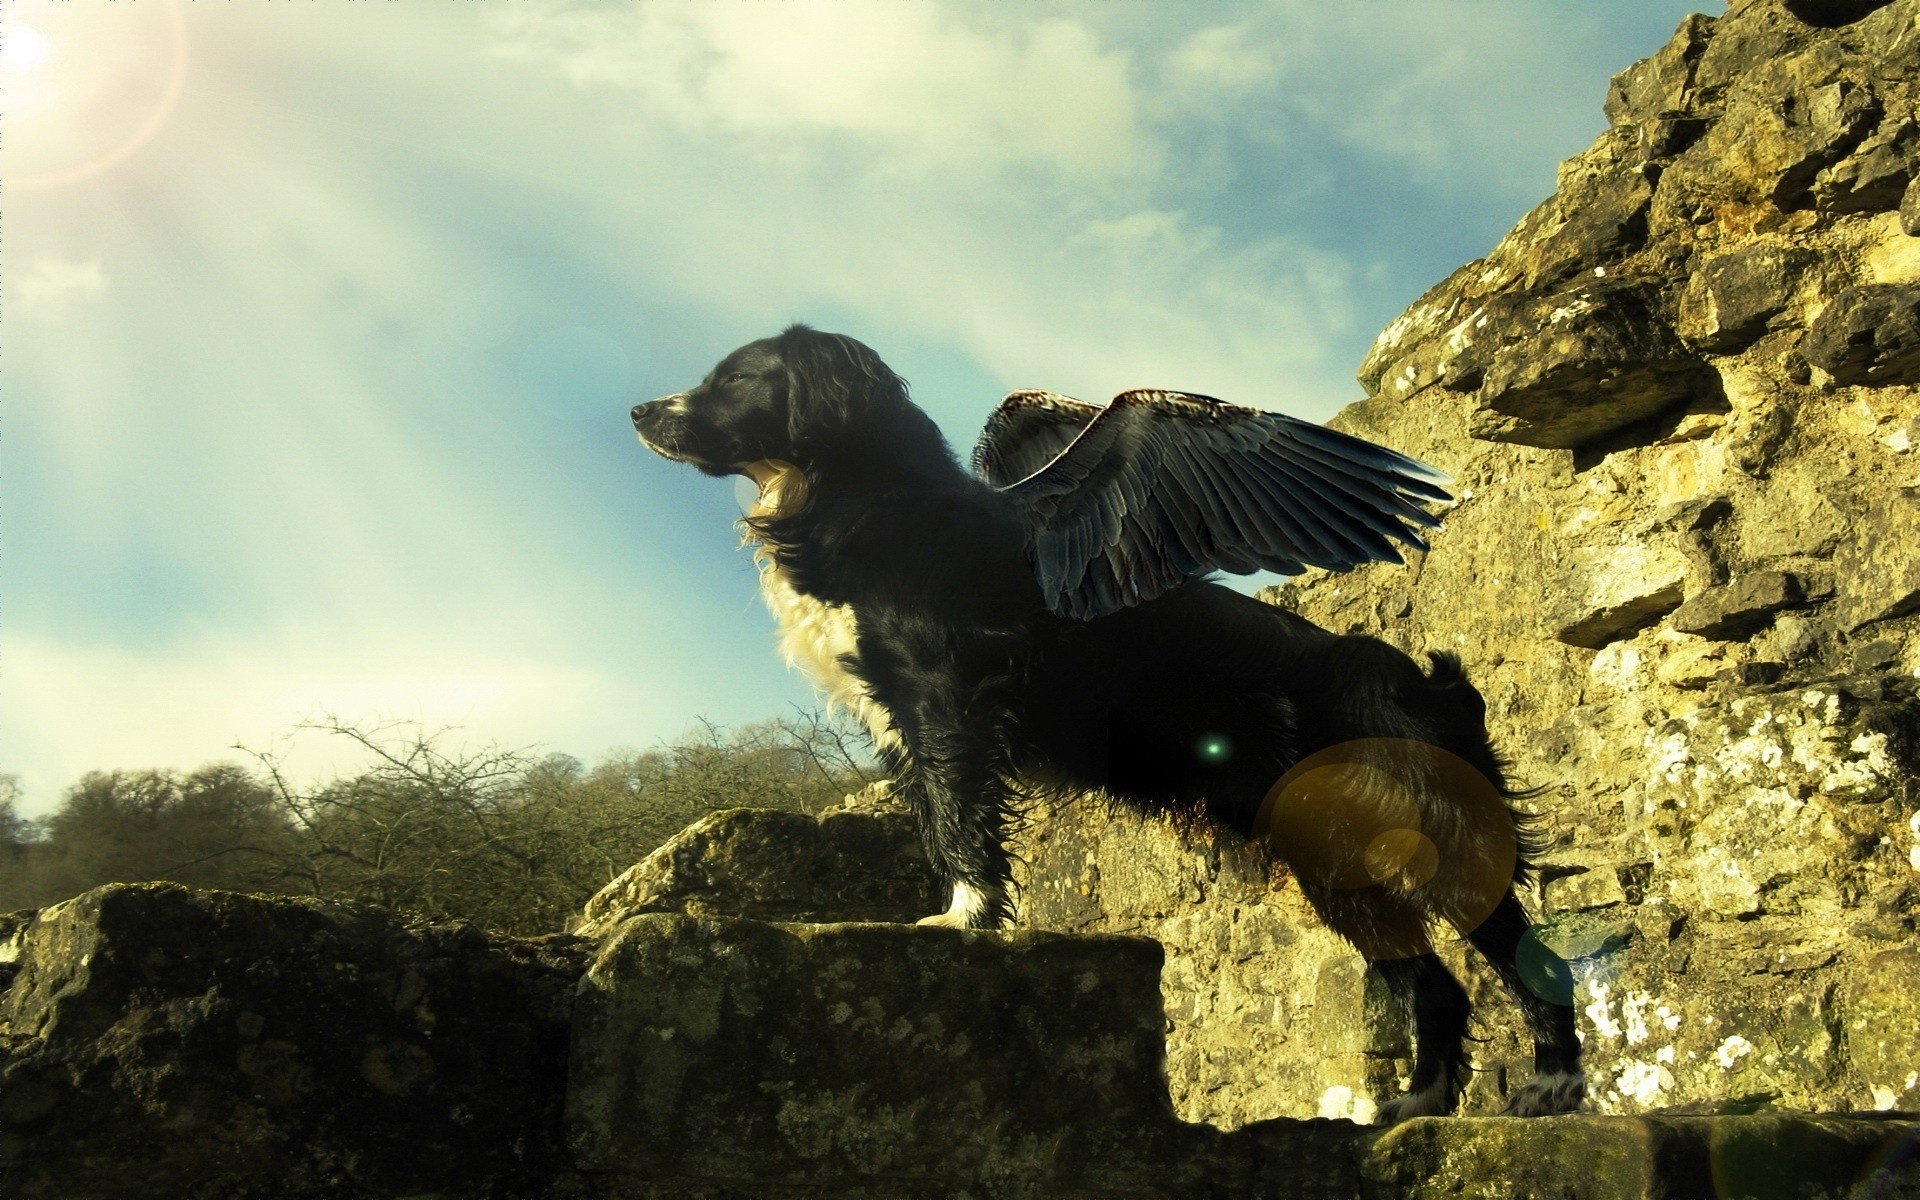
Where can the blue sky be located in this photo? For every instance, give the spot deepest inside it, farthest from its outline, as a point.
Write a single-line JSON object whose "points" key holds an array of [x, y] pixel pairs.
{"points": [[319, 321]]}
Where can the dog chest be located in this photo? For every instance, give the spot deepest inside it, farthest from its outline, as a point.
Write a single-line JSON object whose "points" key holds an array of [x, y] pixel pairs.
{"points": [[820, 640]]}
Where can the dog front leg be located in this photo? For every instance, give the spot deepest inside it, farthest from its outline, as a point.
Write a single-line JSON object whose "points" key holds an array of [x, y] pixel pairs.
{"points": [[960, 797]]}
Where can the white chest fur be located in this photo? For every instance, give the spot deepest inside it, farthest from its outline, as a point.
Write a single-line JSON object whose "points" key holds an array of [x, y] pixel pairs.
{"points": [[815, 638], [818, 639]]}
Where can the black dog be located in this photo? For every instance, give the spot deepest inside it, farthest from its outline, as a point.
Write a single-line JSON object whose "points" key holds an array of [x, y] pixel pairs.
{"points": [[1046, 622]]}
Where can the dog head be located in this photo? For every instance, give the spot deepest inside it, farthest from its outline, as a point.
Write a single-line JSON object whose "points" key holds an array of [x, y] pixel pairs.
{"points": [[789, 398]]}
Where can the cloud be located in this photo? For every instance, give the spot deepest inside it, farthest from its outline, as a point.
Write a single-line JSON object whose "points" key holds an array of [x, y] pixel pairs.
{"points": [[915, 81], [1220, 58], [1470, 94], [50, 287]]}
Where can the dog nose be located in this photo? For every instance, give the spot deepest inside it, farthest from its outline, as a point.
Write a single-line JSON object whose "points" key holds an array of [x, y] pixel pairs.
{"points": [[637, 410]]}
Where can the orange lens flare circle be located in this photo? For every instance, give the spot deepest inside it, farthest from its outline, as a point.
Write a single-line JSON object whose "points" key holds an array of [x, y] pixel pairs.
{"points": [[1396, 833], [163, 107]]}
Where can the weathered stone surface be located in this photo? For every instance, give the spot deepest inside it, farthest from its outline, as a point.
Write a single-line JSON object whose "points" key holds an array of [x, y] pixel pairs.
{"points": [[13, 929], [1910, 208], [897, 1061], [1735, 298], [161, 1042], [1663, 83], [1741, 608], [1872, 178], [1598, 215], [1869, 336], [1788, 120], [165, 1043], [1809, 1158], [779, 866], [1569, 368], [1881, 997], [1635, 585]]}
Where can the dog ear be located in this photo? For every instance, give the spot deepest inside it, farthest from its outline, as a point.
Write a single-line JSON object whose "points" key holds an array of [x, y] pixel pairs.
{"points": [[833, 384]]}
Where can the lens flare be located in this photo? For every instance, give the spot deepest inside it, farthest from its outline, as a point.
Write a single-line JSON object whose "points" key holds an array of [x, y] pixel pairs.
{"points": [[1544, 972], [22, 47], [1562, 954], [1213, 749], [1888, 1173], [1394, 833], [1402, 859], [88, 86]]}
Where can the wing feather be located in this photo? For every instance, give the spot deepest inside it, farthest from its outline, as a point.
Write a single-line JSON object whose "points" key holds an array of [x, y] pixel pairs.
{"points": [[1127, 502], [1026, 432]]}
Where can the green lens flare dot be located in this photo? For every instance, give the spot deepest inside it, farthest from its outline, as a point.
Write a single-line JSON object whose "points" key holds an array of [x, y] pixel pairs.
{"points": [[1213, 749]]}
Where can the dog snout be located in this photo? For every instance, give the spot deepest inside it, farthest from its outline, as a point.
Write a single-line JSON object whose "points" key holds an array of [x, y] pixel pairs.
{"points": [[653, 410]]}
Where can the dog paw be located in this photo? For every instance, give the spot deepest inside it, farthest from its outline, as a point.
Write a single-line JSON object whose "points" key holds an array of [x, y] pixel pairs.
{"points": [[1547, 1095], [950, 919], [1435, 1101]]}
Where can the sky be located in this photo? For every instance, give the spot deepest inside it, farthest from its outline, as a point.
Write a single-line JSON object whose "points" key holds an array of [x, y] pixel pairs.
{"points": [[320, 319]]}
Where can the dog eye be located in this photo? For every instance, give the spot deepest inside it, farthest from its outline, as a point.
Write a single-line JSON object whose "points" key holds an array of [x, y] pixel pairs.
{"points": [[737, 376]]}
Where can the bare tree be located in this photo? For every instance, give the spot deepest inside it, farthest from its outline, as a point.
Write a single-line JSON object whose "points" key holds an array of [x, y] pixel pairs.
{"points": [[518, 841]]}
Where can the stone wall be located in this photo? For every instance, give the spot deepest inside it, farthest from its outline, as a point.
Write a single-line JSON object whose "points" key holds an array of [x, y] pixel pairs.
{"points": [[1679, 402], [164, 1044]]}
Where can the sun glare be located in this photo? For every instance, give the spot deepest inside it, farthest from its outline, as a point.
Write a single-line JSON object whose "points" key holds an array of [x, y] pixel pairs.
{"points": [[86, 86], [22, 47]]}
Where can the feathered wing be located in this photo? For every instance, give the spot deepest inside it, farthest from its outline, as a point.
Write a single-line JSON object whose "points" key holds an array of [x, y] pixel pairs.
{"points": [[1028, 431], [1160, 488]]}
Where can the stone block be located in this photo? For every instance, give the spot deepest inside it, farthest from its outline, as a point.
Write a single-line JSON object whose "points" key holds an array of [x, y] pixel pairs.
{"points": [[1740, 608], [849, 1056], [1662, 83], [779, 866], [1569, 368], [1868, 336], [1872, 178], [1880, 1004], [1734, 299], [162, 1042], [1627, 1158], [1618, 590]]}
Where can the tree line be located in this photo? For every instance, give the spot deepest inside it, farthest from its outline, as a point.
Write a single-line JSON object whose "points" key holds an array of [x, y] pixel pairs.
{"points": [[513, 840]]}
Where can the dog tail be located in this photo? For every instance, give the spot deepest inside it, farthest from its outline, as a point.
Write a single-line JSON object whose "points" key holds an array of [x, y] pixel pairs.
{"points": [[1448, 679]]}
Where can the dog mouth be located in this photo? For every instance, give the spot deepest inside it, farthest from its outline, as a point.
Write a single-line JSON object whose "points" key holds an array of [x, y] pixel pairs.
{"points": [[675, 451], [663, 450]]}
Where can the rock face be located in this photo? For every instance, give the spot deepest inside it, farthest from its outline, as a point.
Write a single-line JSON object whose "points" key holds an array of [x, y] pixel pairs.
{"points": [[162, 1042], [1679, 404]]}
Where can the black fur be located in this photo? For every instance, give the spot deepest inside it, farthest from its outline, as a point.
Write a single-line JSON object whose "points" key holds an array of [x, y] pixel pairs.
{"points": [[984, 685]]}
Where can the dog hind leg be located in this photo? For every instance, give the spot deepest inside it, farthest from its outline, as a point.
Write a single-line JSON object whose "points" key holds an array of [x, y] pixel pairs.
{"points": [[1391, 932], [1440, 1011], [1559, 1084]]}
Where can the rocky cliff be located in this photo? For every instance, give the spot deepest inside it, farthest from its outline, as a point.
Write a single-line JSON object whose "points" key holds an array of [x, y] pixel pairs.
{"points": [[1681, 403]]}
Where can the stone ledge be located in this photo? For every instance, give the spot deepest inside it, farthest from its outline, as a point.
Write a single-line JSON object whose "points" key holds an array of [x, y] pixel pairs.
{"points": [[778, 866], [163, 1043]]}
